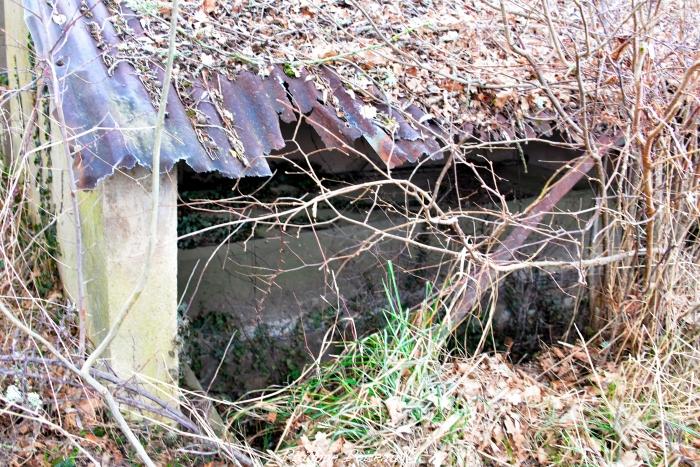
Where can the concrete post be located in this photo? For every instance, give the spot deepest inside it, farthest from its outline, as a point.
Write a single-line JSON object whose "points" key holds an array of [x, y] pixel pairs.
{"points": [[45, 172], [116, 219], [115, 228], [16, 61]]}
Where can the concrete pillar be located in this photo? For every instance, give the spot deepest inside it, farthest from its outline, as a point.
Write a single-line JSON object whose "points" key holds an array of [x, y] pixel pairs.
{"points": [[15, 57], [115, 226], [115, 229], [45, 172]]}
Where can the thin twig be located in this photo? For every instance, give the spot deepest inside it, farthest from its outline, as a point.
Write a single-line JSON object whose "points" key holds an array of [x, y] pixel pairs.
{"points": [[535, 67], [103, 391], [647, 164], [73, 187]]}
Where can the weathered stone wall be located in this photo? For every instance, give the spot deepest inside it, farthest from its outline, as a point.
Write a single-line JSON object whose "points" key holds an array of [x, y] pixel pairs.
{"points": [[272, 323], [275, 300]]}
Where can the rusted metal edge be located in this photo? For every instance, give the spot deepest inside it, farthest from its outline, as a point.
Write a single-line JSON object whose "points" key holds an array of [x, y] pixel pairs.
{"points": [[111, 117]]}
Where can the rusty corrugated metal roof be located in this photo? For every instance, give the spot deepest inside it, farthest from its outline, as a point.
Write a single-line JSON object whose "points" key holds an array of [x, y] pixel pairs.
{"points": [[111, 118]]}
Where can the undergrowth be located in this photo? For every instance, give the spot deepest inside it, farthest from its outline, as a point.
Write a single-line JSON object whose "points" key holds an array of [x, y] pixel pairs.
{"points": [[403, 395], [379, 394], [626, 394]]}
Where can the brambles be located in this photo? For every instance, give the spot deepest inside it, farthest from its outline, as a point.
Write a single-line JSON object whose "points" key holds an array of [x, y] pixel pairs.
{"points": [[608, 323]]}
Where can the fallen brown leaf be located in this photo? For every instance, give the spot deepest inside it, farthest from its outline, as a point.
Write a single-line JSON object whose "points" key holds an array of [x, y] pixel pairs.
{"points": [[209, 6]]}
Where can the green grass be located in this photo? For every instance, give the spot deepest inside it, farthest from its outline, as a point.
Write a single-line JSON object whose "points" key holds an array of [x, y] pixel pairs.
{"points": [[387, 381], [399, 395]]}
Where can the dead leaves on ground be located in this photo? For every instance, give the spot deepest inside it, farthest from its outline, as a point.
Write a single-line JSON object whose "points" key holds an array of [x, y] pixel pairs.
{"points": [[209, 6], [45, 410], [501, 399], [510, 414]]}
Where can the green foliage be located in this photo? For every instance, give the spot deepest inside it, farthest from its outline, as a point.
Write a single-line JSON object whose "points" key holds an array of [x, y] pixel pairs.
{"points": [[290, 70], [67, 461], [393, 373]]}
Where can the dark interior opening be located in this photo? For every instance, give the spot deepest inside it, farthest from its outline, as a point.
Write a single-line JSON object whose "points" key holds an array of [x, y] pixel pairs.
{"points": [[257, 301]]}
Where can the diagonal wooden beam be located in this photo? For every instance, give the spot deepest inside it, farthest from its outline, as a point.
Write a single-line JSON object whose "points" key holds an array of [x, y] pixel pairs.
{"points": [[479, 283]]}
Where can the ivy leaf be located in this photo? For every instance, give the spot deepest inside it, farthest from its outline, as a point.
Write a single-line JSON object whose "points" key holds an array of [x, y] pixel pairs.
{"points": [[290, 70]]}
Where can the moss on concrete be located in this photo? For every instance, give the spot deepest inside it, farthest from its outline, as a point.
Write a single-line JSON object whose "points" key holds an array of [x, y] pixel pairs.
{"points": [[265, 355]]}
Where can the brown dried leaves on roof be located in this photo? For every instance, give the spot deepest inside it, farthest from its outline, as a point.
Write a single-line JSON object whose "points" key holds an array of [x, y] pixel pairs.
{"points": [[408, 76]]}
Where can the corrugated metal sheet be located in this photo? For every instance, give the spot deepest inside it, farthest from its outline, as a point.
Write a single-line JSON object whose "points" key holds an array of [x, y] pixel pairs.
{"points": [[111, 118]]}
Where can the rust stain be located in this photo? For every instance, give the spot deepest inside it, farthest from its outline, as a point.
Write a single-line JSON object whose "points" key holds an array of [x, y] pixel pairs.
{"points": [[111, 116]]}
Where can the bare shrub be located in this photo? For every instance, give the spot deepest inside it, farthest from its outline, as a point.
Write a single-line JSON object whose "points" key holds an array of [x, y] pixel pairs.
{"points": [[621, 85]]}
